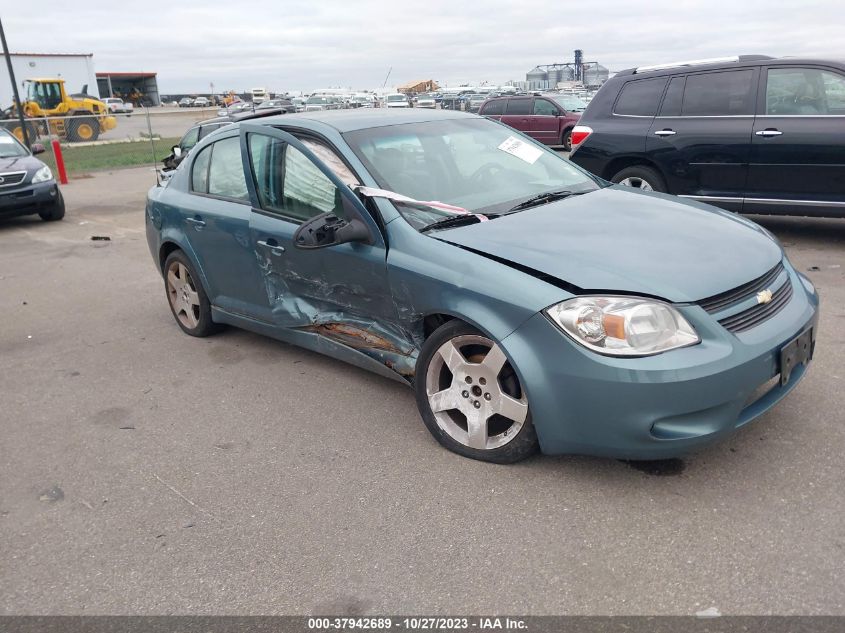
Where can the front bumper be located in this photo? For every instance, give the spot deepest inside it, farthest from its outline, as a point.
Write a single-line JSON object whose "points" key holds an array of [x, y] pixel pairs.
{"points": [[659, 406], [28, 199]]}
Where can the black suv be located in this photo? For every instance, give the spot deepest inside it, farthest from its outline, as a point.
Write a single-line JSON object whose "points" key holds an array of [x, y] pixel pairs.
{"points": [[749, 133]]}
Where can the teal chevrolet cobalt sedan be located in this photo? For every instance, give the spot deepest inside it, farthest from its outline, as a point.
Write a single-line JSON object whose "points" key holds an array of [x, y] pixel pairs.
{"points": [[530, 305]]}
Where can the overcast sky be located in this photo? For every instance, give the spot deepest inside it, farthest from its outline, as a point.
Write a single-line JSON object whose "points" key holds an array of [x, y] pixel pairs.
{"points": [[309, 44]]}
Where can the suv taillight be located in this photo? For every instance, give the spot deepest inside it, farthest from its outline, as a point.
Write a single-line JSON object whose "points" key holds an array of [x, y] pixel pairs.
{"points": [[580, 133]]}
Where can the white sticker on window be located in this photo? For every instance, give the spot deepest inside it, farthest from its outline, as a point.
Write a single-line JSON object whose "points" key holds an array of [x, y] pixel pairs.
{"points": [[6, 139], [521, 150]]}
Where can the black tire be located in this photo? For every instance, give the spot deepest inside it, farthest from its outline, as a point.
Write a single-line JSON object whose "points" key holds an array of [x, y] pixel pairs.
{"points": [[643, 174], [566, 140], [55, 212], [522, 445], [204, 326], [83, 129], [15, 129]]}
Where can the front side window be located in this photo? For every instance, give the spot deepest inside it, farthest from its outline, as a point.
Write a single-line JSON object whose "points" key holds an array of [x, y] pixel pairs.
{"points": [[544, 108], [288, 183], [190, 139], [640, 98], [726, 93], [496, 106], [804, 91]]}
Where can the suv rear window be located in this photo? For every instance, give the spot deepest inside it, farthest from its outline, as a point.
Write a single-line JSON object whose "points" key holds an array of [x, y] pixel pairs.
{"points": [[494, 107], [519, 106], [640, 98], [719, 94]]}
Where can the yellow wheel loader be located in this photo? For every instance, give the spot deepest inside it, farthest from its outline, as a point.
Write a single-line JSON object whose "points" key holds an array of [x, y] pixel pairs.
{"points": [[50, 110]]}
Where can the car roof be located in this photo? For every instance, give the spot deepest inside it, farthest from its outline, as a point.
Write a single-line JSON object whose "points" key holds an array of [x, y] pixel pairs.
{"points": [[678, 68], [362, 118]]}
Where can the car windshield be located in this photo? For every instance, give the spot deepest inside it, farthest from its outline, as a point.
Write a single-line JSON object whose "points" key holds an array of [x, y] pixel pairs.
{"points": [[395, 98], [9, 146], [572, 104], [473, 163], [317, 100]]}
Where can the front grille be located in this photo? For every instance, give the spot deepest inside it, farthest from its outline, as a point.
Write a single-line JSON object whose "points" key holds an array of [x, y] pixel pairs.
{"points": [[755, 315], [724, 300], [12, 178]]}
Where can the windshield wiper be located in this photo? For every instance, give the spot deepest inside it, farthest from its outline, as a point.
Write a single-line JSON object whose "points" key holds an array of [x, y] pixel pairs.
{"points": [[543, 198], [454, 220]]}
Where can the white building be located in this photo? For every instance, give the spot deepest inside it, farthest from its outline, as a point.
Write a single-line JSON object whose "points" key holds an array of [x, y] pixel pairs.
{"points": [[76, 70]]}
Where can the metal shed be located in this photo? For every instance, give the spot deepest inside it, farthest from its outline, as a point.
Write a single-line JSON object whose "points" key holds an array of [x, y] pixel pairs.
{"points": [[140, 88]]}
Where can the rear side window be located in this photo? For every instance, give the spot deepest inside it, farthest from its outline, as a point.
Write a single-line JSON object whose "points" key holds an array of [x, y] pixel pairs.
{"points": [[226, 173], [674, 97], [199, 172], [640, 98], [494, 107], [518, 106], [719, 94]]}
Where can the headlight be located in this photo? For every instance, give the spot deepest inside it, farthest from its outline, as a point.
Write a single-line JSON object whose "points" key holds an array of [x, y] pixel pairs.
{"points": [[623, 326], [43, 175]]}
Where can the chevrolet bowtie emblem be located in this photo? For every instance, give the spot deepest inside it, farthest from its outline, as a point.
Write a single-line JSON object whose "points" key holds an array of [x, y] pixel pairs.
{"points": [[764, 296]]}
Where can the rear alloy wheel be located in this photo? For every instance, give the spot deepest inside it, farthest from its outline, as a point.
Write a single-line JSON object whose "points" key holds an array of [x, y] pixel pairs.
{"points": [[470, 397], [566, 141], [188, 301], [84, 129], [640, 177]]}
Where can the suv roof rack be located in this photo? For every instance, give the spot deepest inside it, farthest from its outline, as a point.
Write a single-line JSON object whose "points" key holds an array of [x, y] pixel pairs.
{"points": [[701, 62]]}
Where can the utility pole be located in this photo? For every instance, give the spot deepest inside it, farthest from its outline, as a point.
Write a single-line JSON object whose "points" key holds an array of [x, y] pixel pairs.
{"points": [[18, 107]]}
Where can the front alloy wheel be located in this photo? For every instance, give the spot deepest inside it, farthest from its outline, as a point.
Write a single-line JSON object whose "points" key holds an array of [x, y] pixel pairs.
{"points": [[470, 396]]}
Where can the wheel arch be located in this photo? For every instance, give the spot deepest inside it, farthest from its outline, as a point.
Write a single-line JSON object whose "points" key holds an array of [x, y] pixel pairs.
{"points": [[169, 245], [623, 162]]}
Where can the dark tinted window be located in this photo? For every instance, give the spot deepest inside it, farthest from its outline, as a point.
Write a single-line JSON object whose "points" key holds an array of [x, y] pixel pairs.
{"points": [[719, 94], [674, 96], [494, 107], [205, 130], [545, 108], [518, 106], [640, 98]]}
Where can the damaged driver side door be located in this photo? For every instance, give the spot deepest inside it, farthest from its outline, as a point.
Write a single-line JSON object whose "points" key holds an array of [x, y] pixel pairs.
{"points": [[337, 293]]}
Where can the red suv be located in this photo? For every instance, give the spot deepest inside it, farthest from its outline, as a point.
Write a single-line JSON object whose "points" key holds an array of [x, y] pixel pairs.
{"points": [[547, 118]]}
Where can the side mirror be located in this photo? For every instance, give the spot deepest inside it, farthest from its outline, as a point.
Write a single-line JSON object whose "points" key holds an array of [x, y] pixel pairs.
{"points": [[37, 148], [329, 230], [177, 151]]}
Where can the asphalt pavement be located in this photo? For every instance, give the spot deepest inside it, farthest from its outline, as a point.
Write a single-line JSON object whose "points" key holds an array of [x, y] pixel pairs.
{"points": [[143, 471]]}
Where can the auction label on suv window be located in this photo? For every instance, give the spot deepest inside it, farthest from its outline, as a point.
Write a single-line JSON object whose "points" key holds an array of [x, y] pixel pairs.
{"points": [[521, 150]]}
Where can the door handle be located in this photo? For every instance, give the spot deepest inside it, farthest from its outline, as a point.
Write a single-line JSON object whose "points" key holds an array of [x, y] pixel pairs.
{"points": [[197, 221], [665, 133], [769, 132], [273, 245]]}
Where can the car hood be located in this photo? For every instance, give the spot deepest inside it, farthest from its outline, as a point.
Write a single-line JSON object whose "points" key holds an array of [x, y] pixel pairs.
{"points": [[20, 163], [620, 240]]}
